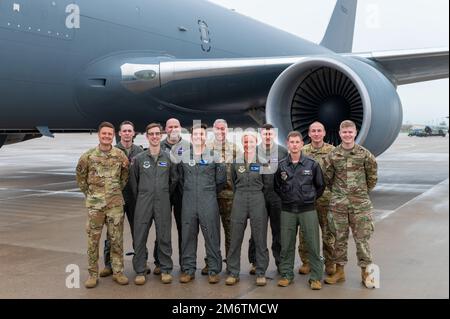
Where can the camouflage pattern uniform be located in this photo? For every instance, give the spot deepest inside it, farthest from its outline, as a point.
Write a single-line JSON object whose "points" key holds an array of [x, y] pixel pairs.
{"points": [[351, 175], [225, 153], [102, 176], [130, 202], [322, 207]]}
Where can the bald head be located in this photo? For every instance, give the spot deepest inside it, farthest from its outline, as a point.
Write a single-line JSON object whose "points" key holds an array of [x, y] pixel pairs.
{"points": [[173, 130], [317, 124], [172, 122]]}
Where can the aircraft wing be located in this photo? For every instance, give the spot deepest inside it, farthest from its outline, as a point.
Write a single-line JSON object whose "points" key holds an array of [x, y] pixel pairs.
{"points": [[401, 66], [410, 66]]}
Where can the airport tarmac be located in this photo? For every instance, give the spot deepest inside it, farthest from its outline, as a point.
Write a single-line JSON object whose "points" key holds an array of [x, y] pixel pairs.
{"points": [[42, 230]]}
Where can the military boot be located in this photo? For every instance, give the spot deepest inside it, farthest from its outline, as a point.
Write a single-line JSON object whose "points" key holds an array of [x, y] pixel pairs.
{"points": [[140, 279], [157, 270], [231, 280], [185, 278], [367, 281], [213, 279], [330, 269], [363, 275], [261, 281], [284, 282], [166, 278], [121, 279], [91, 282], [304, 269], [338, 276], [107, 271], [315, 284]]}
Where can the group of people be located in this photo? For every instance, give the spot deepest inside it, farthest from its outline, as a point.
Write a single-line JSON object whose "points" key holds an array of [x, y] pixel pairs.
{"points": [[298, 190]]}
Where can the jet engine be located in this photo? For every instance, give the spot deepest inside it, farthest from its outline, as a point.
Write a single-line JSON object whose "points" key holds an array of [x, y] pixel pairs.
{"points": [[333, 89]]}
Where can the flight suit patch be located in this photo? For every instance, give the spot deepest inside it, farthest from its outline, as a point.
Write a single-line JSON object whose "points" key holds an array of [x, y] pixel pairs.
{"points": [[146, 165], [162, 164], [307, 172]]}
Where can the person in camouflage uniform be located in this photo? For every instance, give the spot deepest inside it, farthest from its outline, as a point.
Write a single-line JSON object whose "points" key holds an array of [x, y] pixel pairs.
{"points": [[351, 173], [131, 150], [318, 150], [224, 152], [101, 174]]}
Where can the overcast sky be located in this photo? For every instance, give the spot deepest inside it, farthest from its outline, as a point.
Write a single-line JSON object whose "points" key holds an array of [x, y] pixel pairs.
{"points": [[380, 25]]}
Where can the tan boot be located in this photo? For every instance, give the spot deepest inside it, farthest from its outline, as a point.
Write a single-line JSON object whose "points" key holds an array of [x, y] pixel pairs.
{"points": [[367, 281], [91, 282], [157, 271], [338, 276], [304, 269], [213, 279], [106, 272], [231, 281], [261, 281], [166, 278], [121, 279], [315, 284], [185, 278], [284, 282], [140, 280], [363, 275], [330, 269]]}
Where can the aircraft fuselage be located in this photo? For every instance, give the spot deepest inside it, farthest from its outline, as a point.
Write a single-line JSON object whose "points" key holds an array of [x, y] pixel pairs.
{"points": [[60, 62]]}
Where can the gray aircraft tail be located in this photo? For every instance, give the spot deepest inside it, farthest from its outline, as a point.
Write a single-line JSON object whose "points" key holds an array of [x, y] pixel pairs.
{"points": [[340, 31]]}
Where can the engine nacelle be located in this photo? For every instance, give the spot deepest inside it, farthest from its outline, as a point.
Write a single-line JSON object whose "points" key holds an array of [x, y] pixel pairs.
{"points": [[333, 89]]}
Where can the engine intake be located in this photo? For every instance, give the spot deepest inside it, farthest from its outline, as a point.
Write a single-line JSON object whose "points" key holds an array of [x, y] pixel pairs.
{"points": [[330, 90]]}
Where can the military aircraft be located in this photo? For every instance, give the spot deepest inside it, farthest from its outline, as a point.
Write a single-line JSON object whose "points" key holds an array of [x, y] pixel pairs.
{"points": [[67, 65]]}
